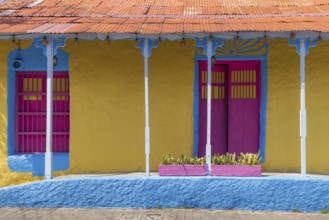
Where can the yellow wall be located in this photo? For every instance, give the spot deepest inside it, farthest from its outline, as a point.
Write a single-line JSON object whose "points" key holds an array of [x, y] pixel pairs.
{"points": [[107, 100], [283, 142], [107, 107], [107, 104]]}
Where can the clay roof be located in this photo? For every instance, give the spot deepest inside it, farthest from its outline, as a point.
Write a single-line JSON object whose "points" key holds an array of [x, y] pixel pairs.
{"points": [[162, 16]]}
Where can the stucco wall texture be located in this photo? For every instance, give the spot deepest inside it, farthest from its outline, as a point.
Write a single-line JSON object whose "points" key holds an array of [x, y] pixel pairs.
{"points": [[283, 141], [246, 193], [107, 100], [107, 106]]}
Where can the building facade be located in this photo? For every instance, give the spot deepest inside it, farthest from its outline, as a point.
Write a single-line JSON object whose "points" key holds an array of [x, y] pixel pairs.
{"points": [[99, 91]]}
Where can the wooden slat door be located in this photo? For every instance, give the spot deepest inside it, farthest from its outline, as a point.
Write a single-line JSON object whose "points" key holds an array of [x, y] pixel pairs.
{"points": [[218, 109], [244, 107]]}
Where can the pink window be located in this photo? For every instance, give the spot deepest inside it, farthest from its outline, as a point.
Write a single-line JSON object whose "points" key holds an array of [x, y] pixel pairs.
{"points": [[30, 112]]}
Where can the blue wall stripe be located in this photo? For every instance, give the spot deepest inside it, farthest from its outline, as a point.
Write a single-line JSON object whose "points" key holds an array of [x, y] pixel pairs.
{"points": [[263, 107], [196, 110]]}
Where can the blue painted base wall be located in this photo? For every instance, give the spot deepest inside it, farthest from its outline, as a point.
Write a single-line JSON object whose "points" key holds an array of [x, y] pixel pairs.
{"points": [[35, 163], [265, 193]]}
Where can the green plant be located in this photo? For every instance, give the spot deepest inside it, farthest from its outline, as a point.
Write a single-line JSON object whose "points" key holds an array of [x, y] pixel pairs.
{"points": [[324, 211], [224, 159], [296, 210], [183, 159], [167, 159], [198, 160], [249, 159], [231, 159]]}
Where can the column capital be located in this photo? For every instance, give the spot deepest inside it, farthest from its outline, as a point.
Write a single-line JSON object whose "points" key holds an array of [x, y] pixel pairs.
{"points": [[308, 43], [41, 42], [203, 44], [146, 45]]}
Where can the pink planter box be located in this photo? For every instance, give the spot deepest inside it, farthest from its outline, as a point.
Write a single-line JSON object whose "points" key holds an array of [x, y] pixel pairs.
{"points": [[236, 170], [182, 170]]}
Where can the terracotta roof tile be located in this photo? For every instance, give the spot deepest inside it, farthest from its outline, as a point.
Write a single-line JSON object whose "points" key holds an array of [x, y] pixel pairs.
{"points": [[151, 28], [54, 28], [163, 16], [19, 28], [79, 28], [4, 26]]}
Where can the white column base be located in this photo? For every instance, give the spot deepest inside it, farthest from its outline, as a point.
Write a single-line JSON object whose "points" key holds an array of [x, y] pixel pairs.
{"points": [[48, 165], [147, 150], [208, 159]]}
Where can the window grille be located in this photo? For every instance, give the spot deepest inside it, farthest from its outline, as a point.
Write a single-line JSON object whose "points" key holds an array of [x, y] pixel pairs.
{"points": [[30, 112]]}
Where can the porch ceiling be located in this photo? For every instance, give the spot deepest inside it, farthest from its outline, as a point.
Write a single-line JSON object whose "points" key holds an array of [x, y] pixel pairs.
{"points": [[162, 16]]}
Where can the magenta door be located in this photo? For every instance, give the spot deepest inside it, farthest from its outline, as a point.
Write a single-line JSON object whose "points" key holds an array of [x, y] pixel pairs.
{"points": [[235, 107], [218, 106], [244, 107]]}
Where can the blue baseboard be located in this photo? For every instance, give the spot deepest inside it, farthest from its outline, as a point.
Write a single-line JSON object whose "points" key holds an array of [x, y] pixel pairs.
{"points": [[263, 193]]}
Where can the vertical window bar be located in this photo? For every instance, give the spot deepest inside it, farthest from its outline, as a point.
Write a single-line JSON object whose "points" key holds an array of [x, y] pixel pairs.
{"points": [[61, 110], [33, 102], [37, 129], [55, 96]]}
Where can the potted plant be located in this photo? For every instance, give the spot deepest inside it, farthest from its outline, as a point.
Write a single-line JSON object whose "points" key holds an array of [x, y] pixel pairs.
{"points": [[247, 164], [182, 166]]}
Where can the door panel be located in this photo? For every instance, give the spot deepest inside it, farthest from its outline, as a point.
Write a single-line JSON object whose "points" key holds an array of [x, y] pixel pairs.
{"points": [[244, 100], [218, 112]]}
